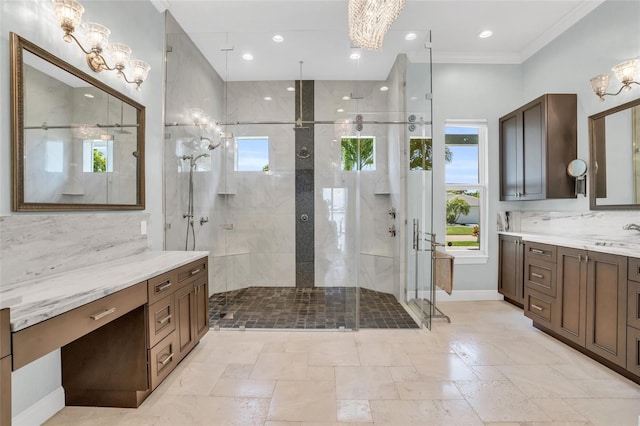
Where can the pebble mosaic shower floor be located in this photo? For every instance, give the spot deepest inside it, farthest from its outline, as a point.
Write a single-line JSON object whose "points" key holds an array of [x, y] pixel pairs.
{"points": [[306, 308]]}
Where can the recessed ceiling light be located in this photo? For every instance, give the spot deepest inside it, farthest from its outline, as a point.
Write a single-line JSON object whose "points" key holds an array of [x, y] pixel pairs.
{"points": [[340, 110], [291, 89], [384, 88], [247, 56], [485, 34], [410, 36], [267, 98], [346, 98], [277, 38], [413, 98], [89, 95], [355, 55]]}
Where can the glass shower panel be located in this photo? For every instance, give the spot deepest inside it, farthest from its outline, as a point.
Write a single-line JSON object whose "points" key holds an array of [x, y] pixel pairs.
{"points": [[421, 241]]}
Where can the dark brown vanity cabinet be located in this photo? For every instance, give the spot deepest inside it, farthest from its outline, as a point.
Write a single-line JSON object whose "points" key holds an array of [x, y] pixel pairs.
{"points": [[540, 283], [633, 317], [607, 306], [5, 367], [510, 283], [537, 141], [572, 294]]}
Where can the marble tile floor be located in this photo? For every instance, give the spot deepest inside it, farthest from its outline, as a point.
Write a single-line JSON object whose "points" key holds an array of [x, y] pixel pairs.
{"points": [[307, 308], [488, 367]]}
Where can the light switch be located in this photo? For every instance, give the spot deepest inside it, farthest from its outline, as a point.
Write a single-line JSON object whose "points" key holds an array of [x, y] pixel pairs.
{"points": [[143, 227]]}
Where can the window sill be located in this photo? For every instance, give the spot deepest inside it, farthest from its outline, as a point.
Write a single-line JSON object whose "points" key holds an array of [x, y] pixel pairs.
{"points": [[462, 258]]}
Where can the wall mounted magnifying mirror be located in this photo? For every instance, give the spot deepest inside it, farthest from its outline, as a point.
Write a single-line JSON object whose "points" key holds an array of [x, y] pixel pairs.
{"points": [[614, 170], [577, 169], [77, 143]]}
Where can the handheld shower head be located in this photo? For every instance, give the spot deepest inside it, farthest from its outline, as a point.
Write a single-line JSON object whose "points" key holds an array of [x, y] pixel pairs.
{"points": [[212, 144]]}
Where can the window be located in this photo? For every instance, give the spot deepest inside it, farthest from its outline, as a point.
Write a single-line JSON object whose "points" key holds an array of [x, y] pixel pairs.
{"points": [[465, 186], [97, 156], [420, 154], [350, 159], [252, 154]]}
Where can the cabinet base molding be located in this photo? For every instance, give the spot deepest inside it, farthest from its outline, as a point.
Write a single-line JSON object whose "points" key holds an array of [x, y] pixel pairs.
{"points": [[42, 410], [588, 353], [514, 302]]}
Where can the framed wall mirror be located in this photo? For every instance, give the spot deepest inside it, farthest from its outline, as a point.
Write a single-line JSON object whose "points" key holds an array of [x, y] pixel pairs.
{"points": [[77, 144], [614, 147]]}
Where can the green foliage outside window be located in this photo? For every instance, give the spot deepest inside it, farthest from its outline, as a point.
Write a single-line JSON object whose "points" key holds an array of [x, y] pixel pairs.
{"points": [[350, 158], [456, 207], [421, 154], [99, 162]]}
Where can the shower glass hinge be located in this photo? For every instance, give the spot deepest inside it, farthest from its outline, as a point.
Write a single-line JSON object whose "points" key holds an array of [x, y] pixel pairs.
{"points": [[169, 49], [167, 135]]}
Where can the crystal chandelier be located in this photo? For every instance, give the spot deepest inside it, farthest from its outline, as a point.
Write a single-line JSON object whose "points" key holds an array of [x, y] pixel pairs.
{"points": [[625, 73], [69, 14], [369, 21]]}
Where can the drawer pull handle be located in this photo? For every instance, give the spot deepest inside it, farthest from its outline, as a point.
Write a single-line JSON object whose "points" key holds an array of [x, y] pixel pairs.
{"points": [[537, 307], [195, 271], [166, 359], [533, 274], [165, 319], [103, 314], [536, 251], [163, 286]]}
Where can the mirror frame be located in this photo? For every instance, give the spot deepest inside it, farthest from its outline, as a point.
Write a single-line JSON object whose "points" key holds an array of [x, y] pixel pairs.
{"points": [[594, 149], [18, 45]]}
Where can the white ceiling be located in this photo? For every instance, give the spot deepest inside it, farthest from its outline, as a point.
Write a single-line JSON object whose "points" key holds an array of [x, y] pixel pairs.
{"points": [[315, 32]]}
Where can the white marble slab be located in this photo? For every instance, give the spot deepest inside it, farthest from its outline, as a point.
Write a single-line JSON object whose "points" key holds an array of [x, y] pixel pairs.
{"points": [[44, 297], [612, 247]]}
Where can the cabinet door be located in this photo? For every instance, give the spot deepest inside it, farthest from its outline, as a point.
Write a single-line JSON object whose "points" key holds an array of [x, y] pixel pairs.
{"points": [[607, 306], [533, 148], [510, 269], [185, 310], [572, 294], [510, 157], [202, 308]]}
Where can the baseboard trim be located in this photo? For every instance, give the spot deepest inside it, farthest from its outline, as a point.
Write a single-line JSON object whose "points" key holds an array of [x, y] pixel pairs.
{"points": [[462, 295], [42, 410]]}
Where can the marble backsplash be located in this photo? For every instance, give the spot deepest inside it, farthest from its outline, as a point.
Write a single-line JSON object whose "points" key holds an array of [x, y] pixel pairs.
{"points": [[36, 245], [606, 226]]}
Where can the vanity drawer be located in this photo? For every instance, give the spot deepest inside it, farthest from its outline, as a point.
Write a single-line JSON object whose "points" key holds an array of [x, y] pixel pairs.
{"points": [[541, 251], [163, 358], [541, 276], [539, 307], [634, 269], [38, 340], [633, 351], [633, 304], [192, 270], [162, 285], [161, 319]]}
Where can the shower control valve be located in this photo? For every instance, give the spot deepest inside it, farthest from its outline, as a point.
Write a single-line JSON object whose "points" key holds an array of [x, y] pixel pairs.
{"points": [[204, 220], [392, 230]]}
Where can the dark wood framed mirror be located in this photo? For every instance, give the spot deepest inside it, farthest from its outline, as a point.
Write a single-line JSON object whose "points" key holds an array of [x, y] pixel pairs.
{"points": [[77, 144], [614, 151]]}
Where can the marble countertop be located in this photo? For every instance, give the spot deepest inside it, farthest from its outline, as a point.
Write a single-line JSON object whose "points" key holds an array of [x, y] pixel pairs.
{"points": [[41, 298], [612, 247]]}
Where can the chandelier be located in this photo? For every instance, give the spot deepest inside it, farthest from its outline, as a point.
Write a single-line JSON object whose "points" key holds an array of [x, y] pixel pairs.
{"points": [[369, 21], [69, 13], [625, 73]]}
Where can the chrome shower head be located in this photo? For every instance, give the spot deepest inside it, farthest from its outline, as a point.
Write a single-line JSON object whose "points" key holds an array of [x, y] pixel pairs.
{"points": [[212, 145]]}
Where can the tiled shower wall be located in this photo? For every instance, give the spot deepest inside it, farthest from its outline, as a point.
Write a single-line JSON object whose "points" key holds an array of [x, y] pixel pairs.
{"points": [[251, 228]]}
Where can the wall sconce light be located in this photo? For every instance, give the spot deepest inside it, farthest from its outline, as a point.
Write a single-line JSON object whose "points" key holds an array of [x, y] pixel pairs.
{"points": [[625, 73], [69, 13]]}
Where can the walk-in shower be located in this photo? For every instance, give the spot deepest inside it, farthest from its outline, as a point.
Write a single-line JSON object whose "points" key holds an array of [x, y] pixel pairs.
{"points": [[299, 232]]}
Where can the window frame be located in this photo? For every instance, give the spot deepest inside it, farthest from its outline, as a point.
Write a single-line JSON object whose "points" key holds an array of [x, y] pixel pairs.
{"points": [[480, 255]]}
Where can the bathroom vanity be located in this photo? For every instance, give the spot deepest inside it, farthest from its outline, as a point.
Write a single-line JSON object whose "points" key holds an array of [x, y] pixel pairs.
{"points": [[586, 294], [122, 326]]}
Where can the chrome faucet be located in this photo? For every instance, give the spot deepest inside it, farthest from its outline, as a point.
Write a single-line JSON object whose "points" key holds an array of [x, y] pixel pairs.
{"points": [[631, 226]]}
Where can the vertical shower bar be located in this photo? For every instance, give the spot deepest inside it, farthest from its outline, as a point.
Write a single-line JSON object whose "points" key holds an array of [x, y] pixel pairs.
{"points": [[416, 246]]}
